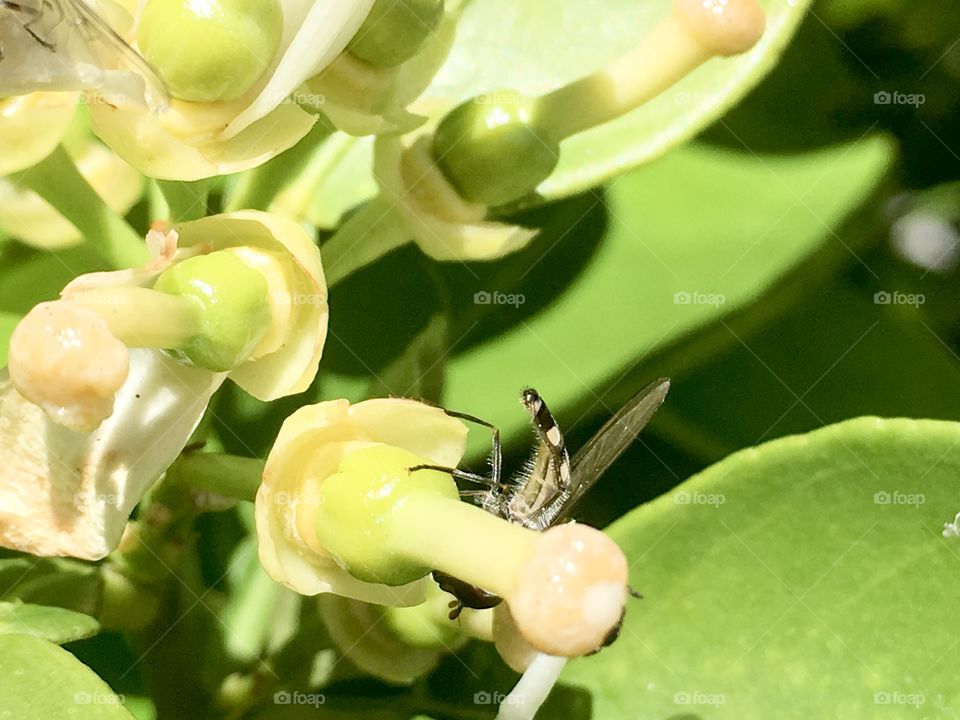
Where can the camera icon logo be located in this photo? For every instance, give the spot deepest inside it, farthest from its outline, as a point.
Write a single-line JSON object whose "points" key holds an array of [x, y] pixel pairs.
{"points": [[882, 98], [482, 298]]}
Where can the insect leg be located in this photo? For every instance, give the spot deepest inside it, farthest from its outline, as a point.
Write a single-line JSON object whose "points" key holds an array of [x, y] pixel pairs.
{"points": [[496, 460], [457, 474]]}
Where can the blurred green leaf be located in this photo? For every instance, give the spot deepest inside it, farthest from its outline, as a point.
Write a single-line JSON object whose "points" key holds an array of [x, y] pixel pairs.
{"points": [[836, 354], [50, 623], [685, 242], [59, 582], [40, 681], [804, 578], [8, 321]]}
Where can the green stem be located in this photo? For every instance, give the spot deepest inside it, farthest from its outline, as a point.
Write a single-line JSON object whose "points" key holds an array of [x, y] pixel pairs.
{"points": [[257, 188], [57, 180], [227, 475], [368, 235], [185, 200]]}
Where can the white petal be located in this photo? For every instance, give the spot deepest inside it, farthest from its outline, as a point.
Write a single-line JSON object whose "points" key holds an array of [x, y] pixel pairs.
{"points": [[322, 30], [64, 493], [533, 688]]}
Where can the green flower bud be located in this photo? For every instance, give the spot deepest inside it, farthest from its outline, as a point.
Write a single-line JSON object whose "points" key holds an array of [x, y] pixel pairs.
{"points": [[491, 149], [394, 31], [357, 505], [232, 298], [210, 51]]}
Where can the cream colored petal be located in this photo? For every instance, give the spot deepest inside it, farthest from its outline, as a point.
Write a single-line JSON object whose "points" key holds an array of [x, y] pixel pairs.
{"points": [[64, 493], [31, 126], [183, 143], [292, 368], [441, 237], [307, 573], [321, 33], [422, 429], [307, 450]]}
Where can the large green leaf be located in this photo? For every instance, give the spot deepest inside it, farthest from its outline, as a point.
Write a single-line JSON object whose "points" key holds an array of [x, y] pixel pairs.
{"points": [[55, 624], [40, 681], [696, 224], [805, 578]]}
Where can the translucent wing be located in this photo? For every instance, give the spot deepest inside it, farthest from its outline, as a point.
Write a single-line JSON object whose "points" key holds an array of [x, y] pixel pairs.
{"points": [[111, 52], [617, 434], [66, 45]]}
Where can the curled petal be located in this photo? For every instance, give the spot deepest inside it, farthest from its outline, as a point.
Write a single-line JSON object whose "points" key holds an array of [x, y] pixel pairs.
{"points": [[292, 367], [308, 449], [314, 34], [31, 126], [185, 143], [443, 225], [66, 493]]}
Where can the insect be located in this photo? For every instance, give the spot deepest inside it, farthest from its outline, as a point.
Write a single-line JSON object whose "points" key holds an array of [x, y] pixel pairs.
{"points": [[551, 485], [67, 45]]}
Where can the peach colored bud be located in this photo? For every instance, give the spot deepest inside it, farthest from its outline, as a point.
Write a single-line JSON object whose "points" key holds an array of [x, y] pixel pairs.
{"points": [[725, 27], [571, 591], [64, 359]]}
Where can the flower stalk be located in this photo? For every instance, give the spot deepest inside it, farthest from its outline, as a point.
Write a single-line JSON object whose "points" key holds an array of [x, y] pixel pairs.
{"points": [[57, 180], [495, 149]]}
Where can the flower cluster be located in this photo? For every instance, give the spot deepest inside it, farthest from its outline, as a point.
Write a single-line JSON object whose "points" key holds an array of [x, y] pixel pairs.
{"points": [[140, 109]]}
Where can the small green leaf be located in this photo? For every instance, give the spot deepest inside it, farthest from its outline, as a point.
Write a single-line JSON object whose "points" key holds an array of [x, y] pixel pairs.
{"points": [[805, 578], [50, 623], [40, 681]]}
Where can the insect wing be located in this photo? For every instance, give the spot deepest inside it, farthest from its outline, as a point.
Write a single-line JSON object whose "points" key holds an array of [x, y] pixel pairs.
{"points": [[60, 45], [110, 52], [616, 435]]}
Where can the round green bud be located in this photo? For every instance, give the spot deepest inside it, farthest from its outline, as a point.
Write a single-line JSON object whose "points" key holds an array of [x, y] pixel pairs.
{"points": [[357, 508], [233, 303], [395, 31], [491, 150], [213, 50]]}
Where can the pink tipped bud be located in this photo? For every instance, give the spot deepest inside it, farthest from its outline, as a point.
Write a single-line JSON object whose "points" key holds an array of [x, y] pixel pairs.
{"points": [[725, 27], [571, 592], [64, 359]]}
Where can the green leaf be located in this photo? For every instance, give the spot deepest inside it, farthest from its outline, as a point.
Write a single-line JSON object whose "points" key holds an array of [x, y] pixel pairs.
{"points": [[836, 354], [804, 578], [50, 623], [8, 321], [60, 582], [40, 681], [418, 372], [536, 46], [699, 223]]}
